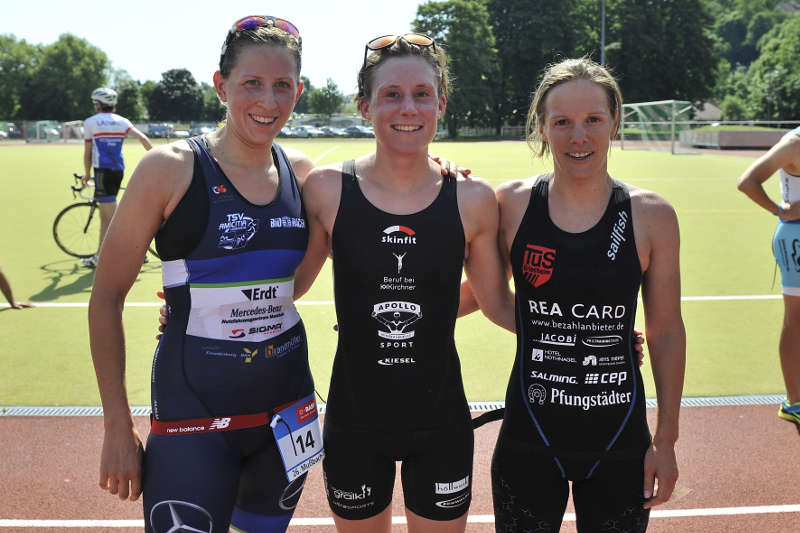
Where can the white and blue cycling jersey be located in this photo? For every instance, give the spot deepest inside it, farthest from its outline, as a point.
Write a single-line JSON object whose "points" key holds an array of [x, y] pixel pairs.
{"points": [[106, 131]]}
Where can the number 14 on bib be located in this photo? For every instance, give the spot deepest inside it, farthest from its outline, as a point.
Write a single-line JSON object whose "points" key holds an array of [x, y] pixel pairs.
{"points": [[297, 432]]}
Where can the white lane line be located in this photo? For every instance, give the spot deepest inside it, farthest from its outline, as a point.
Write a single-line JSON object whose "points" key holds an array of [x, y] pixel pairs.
{"points": [[474, 519], [743, 297], [326, 152]]}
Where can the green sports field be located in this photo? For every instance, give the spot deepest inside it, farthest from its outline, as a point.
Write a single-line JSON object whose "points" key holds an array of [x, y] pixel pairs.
{"points": [[725, 261]]}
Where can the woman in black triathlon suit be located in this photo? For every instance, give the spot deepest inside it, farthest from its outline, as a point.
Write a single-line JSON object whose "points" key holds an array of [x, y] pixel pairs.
{"points": [[400, 236], [580, 244]]}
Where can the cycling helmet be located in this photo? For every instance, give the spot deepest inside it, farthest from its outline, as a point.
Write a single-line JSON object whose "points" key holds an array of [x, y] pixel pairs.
{"points": [[105, 96]]}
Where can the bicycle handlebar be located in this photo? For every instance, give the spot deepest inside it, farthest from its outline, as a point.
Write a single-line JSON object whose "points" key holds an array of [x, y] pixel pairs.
{"points": [[77, 189]]}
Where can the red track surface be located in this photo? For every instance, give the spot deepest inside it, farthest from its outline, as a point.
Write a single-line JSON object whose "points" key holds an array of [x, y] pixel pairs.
{"points": [[728, 456]]}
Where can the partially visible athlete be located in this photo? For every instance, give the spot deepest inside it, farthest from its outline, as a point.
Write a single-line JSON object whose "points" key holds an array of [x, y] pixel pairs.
{"points": [[784, 158], [102, 156], [5, 288], [401, 235], [234, 418], [579, 245]]}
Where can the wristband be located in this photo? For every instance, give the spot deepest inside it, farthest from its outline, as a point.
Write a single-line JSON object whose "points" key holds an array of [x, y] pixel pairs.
{"points": [[780, 211]]}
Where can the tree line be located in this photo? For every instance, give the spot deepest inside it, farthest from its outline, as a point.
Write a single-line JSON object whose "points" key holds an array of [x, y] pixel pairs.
{"points": [[54, 82], [740, 54]]}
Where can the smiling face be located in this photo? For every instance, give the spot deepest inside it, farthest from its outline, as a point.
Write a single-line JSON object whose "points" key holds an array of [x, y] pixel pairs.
{"points": [[260, 92], [404, 104], [578, 126]]}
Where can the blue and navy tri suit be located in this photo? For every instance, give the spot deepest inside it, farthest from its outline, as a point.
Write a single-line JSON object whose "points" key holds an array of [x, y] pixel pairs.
{"points": [[234, 345], [575, 405]]}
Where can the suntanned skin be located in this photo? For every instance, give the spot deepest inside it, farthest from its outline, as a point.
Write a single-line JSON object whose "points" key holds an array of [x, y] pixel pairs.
{"points": [[400, 178], [578, 129], [261, 91], [784, 155]]}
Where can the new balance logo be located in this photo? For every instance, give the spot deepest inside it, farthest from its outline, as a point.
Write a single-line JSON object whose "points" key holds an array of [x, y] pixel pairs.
{"points": [[220, 423]]}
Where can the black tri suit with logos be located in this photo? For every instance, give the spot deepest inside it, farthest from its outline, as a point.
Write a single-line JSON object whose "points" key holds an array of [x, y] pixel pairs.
{"points": [[234, 347], [575, 405], [396, 392]]}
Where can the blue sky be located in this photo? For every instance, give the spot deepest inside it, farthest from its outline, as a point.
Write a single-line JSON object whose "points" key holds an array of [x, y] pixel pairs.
{"points": [[147, 37]]}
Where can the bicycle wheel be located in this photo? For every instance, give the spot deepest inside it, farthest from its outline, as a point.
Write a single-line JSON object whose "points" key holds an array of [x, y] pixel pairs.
{"points": [[76, 229]]}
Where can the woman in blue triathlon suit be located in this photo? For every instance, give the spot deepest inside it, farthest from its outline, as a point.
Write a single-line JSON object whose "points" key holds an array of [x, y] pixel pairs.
{"points": [[230, 227], [784, 158], [234, 418]]}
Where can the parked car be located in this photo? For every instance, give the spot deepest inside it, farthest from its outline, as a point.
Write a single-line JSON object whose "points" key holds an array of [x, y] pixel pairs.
{"points": [[359, 131], [201, 129], [286, 132], [162, 130], [329, 131], [308, 131], [14, 132], [298, 132]]}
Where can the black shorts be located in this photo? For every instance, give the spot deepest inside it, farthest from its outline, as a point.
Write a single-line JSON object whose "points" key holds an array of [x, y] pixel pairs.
{"points": [[359, 469], [530, 492], [210, 481], [106, 184]]}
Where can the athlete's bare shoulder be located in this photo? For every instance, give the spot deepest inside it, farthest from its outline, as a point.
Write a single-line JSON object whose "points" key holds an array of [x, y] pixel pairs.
{"points": [[166, 163], [515, 192], [300, 162], [322, 190], [655, 220], [475, 187], [643, 199], [324, 176]]}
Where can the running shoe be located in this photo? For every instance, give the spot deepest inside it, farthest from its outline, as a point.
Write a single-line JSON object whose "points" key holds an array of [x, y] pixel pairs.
{"points": [[90, 262], [790, 412]]}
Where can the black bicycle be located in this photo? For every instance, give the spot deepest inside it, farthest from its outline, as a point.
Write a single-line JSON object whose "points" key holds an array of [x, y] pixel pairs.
{"points": [[77, 226]]}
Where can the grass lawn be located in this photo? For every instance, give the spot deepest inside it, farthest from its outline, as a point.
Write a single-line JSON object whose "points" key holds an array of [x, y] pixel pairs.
{"points": [[726, 251]]}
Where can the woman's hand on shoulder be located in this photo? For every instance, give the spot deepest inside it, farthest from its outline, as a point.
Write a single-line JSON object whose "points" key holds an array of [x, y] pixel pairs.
{"points": [[449, 168]]}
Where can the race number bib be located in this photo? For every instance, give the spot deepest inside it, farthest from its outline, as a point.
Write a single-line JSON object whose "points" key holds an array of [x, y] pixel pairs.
{"points": [[297, 432]]}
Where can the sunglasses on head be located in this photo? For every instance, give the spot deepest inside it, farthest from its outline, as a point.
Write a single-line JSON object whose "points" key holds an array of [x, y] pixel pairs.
{"points": [[259, 21], [385, 41]]}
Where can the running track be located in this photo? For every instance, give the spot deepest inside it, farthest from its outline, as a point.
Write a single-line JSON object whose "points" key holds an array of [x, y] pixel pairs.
{"points": [[738, 464], [739, 474]]}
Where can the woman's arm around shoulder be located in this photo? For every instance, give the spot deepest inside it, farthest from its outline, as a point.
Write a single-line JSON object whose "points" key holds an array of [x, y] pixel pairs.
{"points": [[322, 190], [483, 264], [512, 198]]}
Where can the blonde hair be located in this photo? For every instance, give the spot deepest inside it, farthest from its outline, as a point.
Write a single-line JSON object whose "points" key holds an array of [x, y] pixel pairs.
{"points": [[433, 55], [557, 74]]}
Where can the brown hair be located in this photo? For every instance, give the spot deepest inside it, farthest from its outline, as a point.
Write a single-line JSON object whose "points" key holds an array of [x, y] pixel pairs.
{"points": [[264, 35], [557, 74], [433, 55]]}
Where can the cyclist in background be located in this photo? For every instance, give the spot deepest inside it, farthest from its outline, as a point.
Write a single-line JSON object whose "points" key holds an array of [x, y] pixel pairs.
{"points": [[103, 134]]}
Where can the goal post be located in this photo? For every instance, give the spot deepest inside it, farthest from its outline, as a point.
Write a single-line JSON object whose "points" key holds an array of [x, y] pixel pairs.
{"points": [[655, 125]]}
